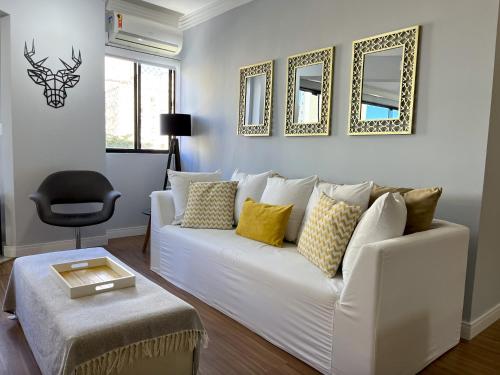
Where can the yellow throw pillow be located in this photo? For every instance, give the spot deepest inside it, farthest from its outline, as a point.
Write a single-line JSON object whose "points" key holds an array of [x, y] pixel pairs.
{"points": [[264, 222], [327, 233], [420, 205]]}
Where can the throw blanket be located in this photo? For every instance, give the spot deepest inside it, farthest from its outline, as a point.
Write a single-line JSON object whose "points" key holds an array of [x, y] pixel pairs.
{"points": [[96, 334]]}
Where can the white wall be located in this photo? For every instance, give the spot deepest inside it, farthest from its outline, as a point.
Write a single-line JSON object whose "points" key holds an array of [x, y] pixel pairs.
{"points": [[44, 139], [39, 140], [448, 147], [6, 178]]}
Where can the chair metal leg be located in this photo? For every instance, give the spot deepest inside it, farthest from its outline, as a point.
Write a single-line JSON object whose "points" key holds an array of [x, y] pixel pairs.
{"points": [[78, 238]]}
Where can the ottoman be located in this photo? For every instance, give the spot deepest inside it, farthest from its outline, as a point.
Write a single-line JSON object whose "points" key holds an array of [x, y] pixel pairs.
{"points": [[137, 330]]}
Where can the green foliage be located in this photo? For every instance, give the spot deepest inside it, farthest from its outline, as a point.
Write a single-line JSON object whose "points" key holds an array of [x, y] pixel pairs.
{"points": [[119, 141]]}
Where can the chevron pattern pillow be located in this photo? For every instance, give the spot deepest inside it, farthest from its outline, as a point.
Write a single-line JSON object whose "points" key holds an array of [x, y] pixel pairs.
{"points": [[210, 205], [327, 233]]}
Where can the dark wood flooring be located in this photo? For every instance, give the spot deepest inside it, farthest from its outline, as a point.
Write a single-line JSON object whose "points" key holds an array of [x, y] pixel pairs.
{"points": [[233, 349]]}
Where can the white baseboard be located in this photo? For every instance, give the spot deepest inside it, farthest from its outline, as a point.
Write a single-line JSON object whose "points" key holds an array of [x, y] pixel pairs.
{"points": [[126, 232], [4, 259], [471, 329], [23, 250]]}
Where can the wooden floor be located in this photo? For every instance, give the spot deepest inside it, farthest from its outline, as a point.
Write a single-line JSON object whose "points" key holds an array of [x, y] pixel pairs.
{"points": [[233, 349]]}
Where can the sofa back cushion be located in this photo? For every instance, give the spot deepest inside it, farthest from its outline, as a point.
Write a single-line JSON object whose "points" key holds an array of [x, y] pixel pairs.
{"points": [[354, 195], [264, 222], [385, 219], [210, 205], [180, 181], [249, 186], [327, 233], [420, 205], [281, 191]]}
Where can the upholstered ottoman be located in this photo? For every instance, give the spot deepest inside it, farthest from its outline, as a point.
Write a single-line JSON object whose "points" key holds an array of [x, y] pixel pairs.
{"points": [[137, 330]]}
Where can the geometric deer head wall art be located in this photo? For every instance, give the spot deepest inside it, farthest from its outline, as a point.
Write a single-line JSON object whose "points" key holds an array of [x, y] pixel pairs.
{"points": [[55, 85]]}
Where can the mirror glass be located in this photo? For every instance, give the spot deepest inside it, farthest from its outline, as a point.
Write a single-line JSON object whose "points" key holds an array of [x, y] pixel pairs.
{"points": [[254, 99], [308, 80], [380, 95]]}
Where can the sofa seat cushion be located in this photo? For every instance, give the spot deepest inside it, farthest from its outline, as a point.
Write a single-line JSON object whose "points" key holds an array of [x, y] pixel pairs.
{"points": [[241, 277]]}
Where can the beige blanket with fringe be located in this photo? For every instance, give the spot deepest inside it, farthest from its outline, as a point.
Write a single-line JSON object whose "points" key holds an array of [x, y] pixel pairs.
{"points": [[97, 334]]}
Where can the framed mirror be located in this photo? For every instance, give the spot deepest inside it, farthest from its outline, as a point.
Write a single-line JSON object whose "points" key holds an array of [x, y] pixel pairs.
{"points": [[383, 83], [309, 86], [255, 102]]}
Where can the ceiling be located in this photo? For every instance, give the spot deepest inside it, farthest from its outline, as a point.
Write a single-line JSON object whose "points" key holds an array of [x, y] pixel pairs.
{"points": [[181, 6]]}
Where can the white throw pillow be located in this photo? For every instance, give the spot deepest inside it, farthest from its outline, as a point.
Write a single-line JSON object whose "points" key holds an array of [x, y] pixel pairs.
{"points": [[249, 186], [385, 219], [180, 181], [281, 191], [353, 195]]}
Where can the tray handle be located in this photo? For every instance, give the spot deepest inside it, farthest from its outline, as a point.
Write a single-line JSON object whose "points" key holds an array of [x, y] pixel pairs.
{"points": [[107, 285], [79, 265]]}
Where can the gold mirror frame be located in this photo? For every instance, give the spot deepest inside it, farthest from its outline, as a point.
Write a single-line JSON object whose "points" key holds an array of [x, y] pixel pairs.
{"points": [[321, 56], [406, 38], [262, 130]]}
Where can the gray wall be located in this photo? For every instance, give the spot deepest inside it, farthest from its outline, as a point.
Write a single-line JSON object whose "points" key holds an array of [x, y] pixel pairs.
{"points": [[487, 275], [448, 147], [44, 139], [135, 176]]}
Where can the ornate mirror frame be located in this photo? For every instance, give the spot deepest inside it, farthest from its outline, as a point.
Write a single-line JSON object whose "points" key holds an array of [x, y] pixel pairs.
{"points": [[406, 38], [323, 56], [264, 68]]}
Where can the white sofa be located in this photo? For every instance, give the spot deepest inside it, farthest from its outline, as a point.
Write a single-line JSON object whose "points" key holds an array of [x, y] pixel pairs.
{"points": [[400, 310]]}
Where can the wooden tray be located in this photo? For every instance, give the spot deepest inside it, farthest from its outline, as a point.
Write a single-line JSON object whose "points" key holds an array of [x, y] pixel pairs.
{"points": [[92, 276]]}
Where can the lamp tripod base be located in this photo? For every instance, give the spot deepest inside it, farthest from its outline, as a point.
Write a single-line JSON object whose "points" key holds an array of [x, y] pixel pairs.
{"points": [[173, 151]]}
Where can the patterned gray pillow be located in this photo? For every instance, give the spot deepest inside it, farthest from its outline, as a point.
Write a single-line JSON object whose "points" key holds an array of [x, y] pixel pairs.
{"points": [[210, 205]]}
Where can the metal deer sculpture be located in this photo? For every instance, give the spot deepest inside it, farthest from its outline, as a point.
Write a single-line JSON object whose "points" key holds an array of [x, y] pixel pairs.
{"points": [[55, 84]]}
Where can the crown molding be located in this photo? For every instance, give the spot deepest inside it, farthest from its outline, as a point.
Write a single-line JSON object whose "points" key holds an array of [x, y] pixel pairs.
{"points": [[153, 13], [209, 11]]}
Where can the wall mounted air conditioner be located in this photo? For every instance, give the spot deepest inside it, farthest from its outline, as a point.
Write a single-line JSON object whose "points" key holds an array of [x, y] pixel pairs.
{"points": [[143, 35]]}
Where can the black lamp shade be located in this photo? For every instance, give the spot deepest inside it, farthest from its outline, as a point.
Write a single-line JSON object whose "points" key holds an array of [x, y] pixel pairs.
{"points": [[177, 124]]}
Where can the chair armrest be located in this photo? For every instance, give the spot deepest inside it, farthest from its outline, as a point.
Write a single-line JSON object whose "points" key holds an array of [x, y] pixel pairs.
{"points": [[162, 209], [42, 204], [402, 306], [39, 199], [108, 204]]}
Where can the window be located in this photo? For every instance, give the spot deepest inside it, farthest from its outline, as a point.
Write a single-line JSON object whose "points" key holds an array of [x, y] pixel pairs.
{"points": [[136, 95], [309, 106], [376, 111]]}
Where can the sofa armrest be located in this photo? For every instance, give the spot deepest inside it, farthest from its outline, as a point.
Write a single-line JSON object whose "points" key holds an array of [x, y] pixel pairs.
{"points": [[162, 213], [402, 306], [162, 209]]}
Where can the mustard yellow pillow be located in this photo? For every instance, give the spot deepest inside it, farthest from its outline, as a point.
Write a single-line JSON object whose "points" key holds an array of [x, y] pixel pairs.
{"points": [[264, 222]]}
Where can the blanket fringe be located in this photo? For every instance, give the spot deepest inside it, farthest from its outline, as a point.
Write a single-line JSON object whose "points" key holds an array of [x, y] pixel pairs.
{"points": [[120, 358]]}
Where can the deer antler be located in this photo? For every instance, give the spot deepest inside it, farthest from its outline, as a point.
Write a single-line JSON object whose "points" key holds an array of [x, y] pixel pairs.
{"points": [[76, 60], [29, 54]]}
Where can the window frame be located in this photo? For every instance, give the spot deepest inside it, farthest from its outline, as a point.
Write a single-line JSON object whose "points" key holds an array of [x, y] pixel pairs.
{"points": [[143, 58]]}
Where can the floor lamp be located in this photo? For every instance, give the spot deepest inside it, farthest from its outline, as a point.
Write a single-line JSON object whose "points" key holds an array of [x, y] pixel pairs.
{"points": [[175, 125]]}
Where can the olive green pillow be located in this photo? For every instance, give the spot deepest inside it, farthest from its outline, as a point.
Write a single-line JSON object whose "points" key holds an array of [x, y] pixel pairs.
{"points": [[420, 205]]}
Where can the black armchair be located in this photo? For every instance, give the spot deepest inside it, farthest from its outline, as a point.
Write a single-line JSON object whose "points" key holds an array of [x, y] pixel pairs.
{"points": [[72, 187]]}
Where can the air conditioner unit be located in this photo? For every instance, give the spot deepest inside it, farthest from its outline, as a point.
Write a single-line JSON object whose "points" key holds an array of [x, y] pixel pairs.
{"points": [[143, 35]]}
